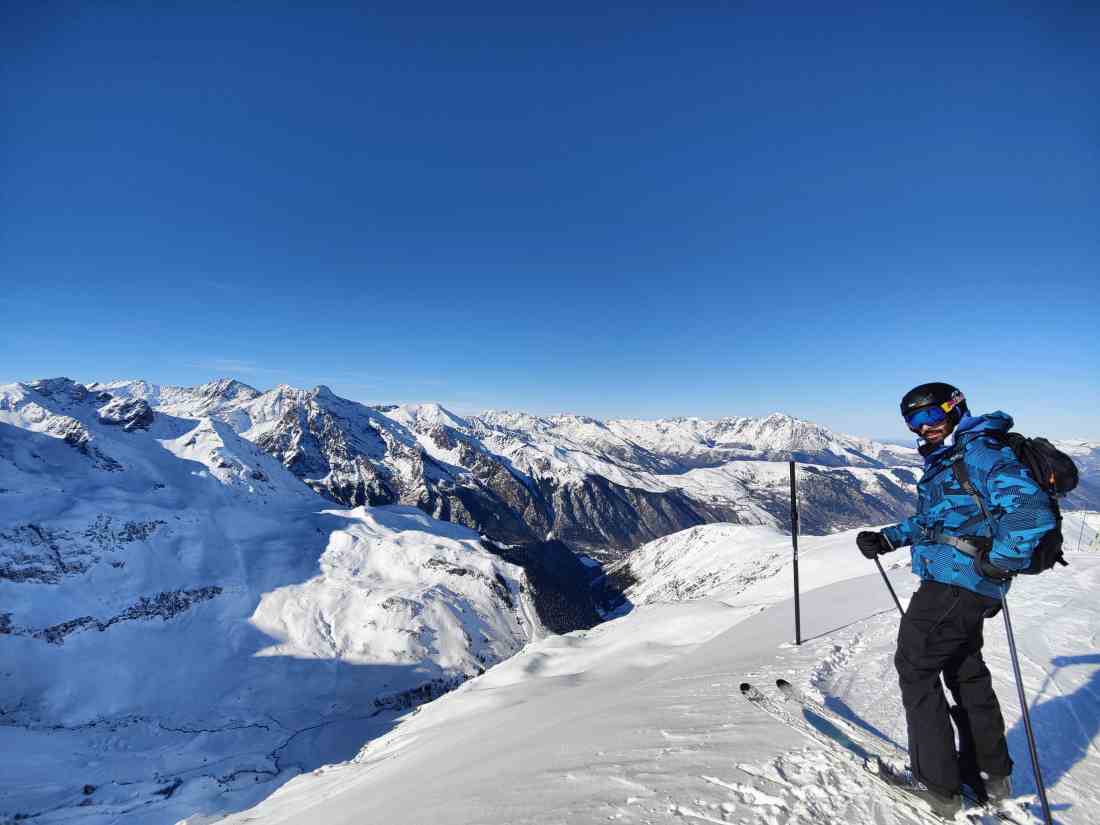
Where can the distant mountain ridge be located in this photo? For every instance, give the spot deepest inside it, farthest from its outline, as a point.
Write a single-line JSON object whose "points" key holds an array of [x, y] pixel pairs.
{"points": [[600, 486], [603, 487]]}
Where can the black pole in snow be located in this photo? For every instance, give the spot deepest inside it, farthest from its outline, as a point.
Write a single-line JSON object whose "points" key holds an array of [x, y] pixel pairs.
{"points": [[1033, 751], [794, 541]]}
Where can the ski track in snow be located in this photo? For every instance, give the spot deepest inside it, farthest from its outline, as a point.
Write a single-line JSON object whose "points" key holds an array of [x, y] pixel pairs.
{"points": [[857, 665]]}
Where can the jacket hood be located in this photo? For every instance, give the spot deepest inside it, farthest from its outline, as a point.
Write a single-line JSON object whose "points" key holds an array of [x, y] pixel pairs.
{"points": [[974, 424], [970, 426]]}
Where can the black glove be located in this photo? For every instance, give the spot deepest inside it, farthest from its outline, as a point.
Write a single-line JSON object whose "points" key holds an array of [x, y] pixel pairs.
{"points": [[988, 569], [872, 544]]}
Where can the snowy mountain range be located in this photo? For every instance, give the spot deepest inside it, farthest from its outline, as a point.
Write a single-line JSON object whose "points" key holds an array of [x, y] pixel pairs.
{"points": [[603, 487], [205, 591]]}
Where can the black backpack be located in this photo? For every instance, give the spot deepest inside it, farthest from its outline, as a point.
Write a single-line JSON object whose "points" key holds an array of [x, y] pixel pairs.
{"points": [[1053, 471]]}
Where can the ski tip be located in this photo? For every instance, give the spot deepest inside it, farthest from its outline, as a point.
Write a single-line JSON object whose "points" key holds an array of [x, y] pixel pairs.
{"points": [[782, 683], [751, 692]]}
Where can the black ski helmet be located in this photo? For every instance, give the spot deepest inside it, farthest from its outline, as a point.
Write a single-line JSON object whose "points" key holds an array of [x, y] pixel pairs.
{"points": [[934, 394]]}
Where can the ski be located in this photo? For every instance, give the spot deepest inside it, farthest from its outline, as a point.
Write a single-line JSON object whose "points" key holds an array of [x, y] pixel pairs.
{"points": [[888, 751], [843, 745], [892, 760]]}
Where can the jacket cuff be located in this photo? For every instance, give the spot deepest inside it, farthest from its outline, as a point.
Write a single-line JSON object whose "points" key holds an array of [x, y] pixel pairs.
{"points": [[894, 536]]}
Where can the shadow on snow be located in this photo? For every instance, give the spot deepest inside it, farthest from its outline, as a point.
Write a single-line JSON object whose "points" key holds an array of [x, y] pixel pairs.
{"points": [[1065, 727]]}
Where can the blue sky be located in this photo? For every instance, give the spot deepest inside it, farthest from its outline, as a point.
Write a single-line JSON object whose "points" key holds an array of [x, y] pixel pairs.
{"points": [[637, 211]]}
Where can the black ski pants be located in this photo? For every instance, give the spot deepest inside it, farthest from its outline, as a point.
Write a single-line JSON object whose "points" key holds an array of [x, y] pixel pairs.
{"points": [[941, 633]]}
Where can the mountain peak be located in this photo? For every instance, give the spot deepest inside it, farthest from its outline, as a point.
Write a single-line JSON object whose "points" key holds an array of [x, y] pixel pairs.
{"points": [[430, 414], [784, 418], [64, 388], [228, 388]]}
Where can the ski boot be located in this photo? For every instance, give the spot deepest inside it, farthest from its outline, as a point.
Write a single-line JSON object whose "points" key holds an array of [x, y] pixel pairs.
{"points": [[942, 806], [997, 788]]}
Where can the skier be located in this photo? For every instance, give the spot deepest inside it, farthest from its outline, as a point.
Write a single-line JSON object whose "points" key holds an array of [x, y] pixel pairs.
{"points": [[962, 569]]}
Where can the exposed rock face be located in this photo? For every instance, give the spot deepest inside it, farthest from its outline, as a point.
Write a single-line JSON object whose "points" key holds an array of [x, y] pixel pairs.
{"points": [[47, 554], [32, 553], [128, 413], [63, 390], [164, 606], [598, 513], [333, 456]]}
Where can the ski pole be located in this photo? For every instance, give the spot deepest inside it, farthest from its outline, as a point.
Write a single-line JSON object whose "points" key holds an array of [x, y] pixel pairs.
{"points": [[1023, 709], [889, 586]]}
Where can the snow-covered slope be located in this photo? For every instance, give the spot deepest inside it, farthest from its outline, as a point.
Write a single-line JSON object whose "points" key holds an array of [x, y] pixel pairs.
{"points": [[705, 560], [399, 588], [1086, 455], [1081, 531], [177, 610], [711, 561], [640, 720]]}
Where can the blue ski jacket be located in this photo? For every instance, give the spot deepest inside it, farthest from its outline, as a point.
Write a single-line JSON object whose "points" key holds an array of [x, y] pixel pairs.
{"points": [[1020, 509]]}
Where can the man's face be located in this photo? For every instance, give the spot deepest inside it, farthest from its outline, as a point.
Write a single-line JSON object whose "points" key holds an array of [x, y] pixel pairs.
{"points": [[935, 433]]}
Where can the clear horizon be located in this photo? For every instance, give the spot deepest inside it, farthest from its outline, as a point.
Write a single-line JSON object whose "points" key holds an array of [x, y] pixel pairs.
{"points": [[640, 212]]}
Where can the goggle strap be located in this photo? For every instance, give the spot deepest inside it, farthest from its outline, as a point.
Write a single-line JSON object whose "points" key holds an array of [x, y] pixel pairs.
{"points": [[947, 406]]}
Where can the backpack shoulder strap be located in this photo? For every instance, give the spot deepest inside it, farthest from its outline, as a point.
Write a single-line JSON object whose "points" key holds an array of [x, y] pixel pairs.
{"points": [[962, 473]]}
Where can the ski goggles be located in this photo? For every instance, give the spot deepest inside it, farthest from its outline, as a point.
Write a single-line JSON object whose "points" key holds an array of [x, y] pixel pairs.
{"points": [[931, 416]]}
